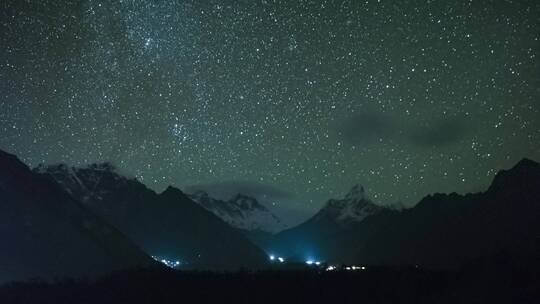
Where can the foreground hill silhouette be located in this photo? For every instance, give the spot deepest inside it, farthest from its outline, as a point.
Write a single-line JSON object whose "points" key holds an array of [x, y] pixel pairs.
{"points": [[167, 225], [46, 233], [374, 285], [441, 231]]}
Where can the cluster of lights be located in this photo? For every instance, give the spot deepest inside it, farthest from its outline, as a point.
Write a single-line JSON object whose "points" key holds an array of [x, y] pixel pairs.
{"points": [[280, 259], [311, 262], [355, 268], [168, 263], [351, 268]]}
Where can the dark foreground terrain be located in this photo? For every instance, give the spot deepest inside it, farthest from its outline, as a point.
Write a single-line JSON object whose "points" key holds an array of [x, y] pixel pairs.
{"points": [[374, 285]]}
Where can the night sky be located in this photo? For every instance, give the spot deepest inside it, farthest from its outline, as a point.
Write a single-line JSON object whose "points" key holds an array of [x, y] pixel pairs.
{"points": [[295, 100]]}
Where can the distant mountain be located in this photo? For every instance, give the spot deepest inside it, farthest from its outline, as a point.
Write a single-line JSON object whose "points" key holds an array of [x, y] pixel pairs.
{"points": [[168, 225], [46, 233], [313, 238], [441, 231], [354, 207], [241, 211]]}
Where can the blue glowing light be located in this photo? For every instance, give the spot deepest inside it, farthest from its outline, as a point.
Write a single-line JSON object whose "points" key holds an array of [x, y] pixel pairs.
{"points": [[168, 263]]}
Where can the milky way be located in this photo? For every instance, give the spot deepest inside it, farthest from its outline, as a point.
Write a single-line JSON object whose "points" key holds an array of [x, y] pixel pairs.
{"points": [[300, 98]]}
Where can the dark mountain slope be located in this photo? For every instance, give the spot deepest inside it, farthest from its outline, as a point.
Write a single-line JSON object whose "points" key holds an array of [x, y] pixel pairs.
{"points": [[46, 233], [168, 225], [448, 230]]}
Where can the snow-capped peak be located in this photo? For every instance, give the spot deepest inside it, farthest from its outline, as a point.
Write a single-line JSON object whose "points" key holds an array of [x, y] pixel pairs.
{"points": [[65, 175], [357, 193], [355, 206], [83, 182], [247, 202], [241, 211]]}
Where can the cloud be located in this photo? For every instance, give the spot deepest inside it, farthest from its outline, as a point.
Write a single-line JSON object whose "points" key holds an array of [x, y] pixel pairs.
{"points": [[440, 133], [366, 128], [372, 127], [227, 189]]}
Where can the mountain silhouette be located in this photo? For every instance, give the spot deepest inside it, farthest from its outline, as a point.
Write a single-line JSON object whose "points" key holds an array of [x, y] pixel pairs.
{"points": [[46, 233], [441, 231], [167, 225]]}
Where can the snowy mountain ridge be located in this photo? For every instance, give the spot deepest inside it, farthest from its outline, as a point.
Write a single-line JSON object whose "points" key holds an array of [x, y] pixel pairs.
{"points": [[354, 207], [241, 211], [81, 182]]}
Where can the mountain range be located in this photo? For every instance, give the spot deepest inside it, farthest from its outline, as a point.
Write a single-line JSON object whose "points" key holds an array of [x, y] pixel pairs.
{"points": [[441, 231], [167, 225], [59, 220]]}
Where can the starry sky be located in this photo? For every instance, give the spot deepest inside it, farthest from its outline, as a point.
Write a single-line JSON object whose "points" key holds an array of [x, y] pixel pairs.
{"points": [[292, 101]]}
